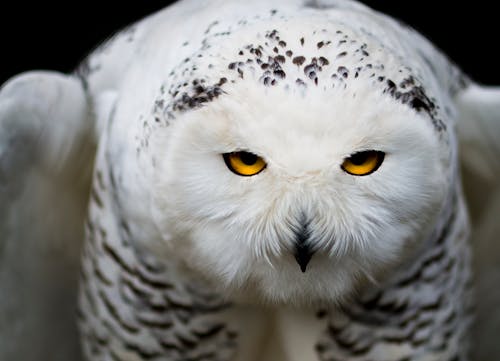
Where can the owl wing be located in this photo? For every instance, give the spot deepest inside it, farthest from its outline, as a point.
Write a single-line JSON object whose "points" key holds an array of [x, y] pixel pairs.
{"points": [[46, 154], [479, 136], [479, 130]]}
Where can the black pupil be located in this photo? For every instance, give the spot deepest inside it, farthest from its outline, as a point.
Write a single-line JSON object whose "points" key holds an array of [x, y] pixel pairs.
{"points": [[248, 158], [360, 158]]}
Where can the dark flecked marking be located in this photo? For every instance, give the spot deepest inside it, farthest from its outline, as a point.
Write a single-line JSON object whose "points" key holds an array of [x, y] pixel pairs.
{"points": [[300, 82], [115, 315], [298, 60], [100, 276], [414, 96], [266, 61], [158, 323], [211, 331], [144, 354], [322, 61], [343, 72], [97, 199], [280, 59], [199, 95]]}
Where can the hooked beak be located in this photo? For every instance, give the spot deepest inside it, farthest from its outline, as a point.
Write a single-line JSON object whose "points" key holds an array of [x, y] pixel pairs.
{"points": [[303, 251]]}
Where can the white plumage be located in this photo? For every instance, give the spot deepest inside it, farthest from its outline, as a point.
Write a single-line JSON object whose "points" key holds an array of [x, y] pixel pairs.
{"points": [[184, 258]]}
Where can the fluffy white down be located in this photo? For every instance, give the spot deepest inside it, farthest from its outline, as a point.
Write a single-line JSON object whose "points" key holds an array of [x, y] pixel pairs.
{"points": [[239, 231]]}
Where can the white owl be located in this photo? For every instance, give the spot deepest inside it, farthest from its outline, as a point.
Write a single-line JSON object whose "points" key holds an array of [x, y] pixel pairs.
{"points": [[233, 180]]}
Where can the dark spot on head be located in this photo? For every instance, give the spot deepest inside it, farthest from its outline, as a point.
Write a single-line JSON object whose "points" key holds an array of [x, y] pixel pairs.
{"points": [[211, 26], [300, 82], [273, 34], [407, 82], [311, 72], [320, 44], [420, 104], [342, 54], [298, 60], [280, 59], [323, 61], [415, 97], [301, 41], [343, 71], [289, 53], [279, 74]]}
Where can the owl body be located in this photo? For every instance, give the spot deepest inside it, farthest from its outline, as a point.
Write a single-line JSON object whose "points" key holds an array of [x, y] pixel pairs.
{"points": [[271, 181], [187, 260]]}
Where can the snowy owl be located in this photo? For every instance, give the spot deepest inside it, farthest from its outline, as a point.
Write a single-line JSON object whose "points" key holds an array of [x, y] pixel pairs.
{"points": [[233, 180]]}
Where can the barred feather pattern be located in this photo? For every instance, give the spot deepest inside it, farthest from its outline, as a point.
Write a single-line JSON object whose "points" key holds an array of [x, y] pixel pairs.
{"points": [[424, 313], [133, 307]]}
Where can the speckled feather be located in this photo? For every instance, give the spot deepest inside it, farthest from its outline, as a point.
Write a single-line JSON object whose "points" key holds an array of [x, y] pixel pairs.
{"points": [[157, 281], [296, 48]]}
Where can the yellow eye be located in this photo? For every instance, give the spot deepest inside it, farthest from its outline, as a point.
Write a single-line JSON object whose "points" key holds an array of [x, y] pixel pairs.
{"points": [[363, 163], [244, 163]]}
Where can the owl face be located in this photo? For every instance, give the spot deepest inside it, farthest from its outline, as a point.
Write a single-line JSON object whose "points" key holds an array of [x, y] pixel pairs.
{"points": [[298, 197], [298, 162]]}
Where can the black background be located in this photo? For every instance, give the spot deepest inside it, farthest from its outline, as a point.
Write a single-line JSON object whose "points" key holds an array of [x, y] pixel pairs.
{"points": [[44, 35]]}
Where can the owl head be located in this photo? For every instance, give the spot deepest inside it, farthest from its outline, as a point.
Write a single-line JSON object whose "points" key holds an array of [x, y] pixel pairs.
{"points": [[298, 161]]}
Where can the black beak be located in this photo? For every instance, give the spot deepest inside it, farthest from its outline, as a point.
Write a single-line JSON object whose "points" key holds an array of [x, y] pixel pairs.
{"points": [[303, 251]]}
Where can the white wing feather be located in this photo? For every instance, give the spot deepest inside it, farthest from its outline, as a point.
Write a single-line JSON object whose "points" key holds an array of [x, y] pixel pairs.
{"points": [[47, 142], [479, 134], [479, 130], [46, 153]]}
